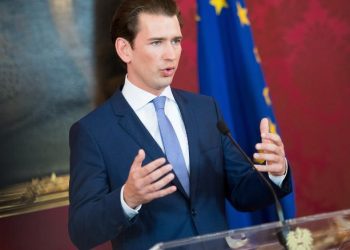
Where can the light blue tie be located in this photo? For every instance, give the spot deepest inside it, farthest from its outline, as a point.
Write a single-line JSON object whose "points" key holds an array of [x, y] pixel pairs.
{"points": [[171, 144]]}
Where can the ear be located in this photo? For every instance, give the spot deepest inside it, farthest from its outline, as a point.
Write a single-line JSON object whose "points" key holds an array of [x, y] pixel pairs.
{"points": [[123, 49]]}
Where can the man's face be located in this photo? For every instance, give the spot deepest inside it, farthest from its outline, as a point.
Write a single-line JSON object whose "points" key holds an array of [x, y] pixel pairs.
{"points": [[156, 52]]}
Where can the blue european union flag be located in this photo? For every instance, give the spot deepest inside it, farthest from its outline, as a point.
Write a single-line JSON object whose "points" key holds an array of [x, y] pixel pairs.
{"points": [[229, 70]]}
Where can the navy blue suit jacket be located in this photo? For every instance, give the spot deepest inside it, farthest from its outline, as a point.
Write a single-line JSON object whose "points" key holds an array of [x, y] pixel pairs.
{"points": [[103, 146]]}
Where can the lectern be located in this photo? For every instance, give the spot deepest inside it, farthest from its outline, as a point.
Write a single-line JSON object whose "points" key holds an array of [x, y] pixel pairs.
{"points": [[322, 231]]}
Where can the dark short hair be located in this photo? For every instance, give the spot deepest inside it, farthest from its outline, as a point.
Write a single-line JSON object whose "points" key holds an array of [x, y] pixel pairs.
{"points": [[125, 20]]}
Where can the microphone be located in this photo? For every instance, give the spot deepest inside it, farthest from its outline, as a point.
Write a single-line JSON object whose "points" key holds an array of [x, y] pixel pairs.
{"points": [[282, 235]]}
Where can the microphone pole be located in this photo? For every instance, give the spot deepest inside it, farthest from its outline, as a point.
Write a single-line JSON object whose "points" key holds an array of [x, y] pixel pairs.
{"points": [[282, 235]]}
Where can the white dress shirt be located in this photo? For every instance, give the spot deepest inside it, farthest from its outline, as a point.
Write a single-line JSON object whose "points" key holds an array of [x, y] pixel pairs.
{"points": [[141, 102]]}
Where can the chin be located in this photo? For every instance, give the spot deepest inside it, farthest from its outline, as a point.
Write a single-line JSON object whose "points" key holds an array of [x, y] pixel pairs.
{"points": [[164, 84]]}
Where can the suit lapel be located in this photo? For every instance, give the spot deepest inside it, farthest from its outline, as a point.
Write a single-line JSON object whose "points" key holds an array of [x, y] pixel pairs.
{"points": [[132, 125], [191, 123]]}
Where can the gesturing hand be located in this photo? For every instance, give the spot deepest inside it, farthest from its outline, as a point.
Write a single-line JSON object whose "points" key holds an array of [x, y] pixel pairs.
{"points": [[271, 150], [146, 183]]}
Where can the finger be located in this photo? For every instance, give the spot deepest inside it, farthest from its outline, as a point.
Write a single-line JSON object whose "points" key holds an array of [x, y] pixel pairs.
{"points": [[261, 168], [275, 138], [267, 157], [264, 127], [156, 174], [137, 163], [158, 185], [161, 193], [274, 169], [270, 148], [150, 167]]}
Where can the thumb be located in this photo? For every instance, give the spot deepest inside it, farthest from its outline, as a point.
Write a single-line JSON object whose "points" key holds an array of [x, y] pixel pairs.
{"points": [[264, 127], [138, 159]]}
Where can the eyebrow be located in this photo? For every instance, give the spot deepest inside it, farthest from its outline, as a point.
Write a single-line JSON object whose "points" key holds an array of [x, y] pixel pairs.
{"points": [[162, 38]]}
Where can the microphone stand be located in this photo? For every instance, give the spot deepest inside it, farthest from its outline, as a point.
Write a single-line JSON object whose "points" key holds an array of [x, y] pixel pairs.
{"points": [[284, 230]]}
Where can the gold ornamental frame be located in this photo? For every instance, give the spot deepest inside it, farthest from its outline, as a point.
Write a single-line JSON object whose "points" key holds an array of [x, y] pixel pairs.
{"points": [[37, 195]]}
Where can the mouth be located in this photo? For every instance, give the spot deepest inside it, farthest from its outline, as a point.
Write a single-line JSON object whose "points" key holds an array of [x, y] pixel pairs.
{"points": [[168, 71]]}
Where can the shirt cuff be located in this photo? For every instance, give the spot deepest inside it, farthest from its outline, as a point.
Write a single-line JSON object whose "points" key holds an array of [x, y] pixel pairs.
{"points": [[128, 211], [278, 180]]}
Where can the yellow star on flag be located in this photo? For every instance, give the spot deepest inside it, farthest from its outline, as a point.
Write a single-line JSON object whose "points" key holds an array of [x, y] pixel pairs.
{"points": [[273, 127], [218, 5], [267, 96], [242, 14]]}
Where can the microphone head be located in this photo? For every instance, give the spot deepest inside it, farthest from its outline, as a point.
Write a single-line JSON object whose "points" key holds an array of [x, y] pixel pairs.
{"points": [[221, 125]]}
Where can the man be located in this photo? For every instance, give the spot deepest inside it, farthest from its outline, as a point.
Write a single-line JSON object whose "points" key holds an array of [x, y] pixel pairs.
{"points": [[122, 186]]}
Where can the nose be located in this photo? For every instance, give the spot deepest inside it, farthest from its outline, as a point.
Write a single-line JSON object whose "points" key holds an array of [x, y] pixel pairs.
{"points": [[170, 52]]}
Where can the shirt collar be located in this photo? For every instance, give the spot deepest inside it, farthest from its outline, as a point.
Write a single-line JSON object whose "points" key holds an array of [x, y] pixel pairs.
{"points": [[138, 98]]}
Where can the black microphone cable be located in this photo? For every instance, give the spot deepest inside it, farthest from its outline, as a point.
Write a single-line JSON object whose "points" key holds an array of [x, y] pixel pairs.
{"points": [[282, 235]]}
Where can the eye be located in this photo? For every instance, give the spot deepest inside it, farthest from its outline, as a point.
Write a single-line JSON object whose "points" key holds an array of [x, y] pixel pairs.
{"points": [[155, 43], [176, 41]]}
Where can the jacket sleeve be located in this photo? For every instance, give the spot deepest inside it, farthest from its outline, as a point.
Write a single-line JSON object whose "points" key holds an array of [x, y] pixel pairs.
{"points": [[95, 211]]}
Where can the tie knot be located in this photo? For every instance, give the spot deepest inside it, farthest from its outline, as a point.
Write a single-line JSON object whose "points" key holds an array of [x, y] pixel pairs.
{"points": [[159, 102]]}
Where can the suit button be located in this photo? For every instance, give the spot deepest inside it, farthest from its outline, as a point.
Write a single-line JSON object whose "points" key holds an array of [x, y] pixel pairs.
{"points": [[193, 212]]}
